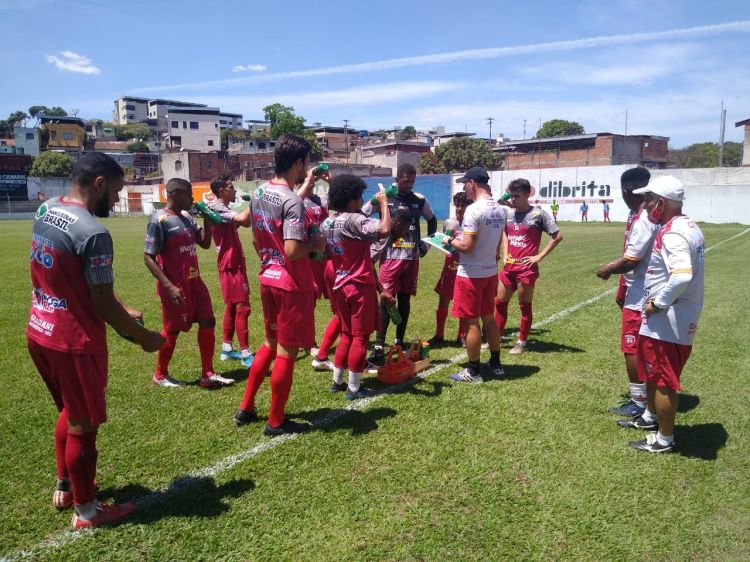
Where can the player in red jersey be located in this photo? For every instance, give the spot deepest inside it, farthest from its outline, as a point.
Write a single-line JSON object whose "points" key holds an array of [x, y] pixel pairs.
{"points": [[72, 297], [447, 281], [287, 292], [521, 256], [349, 235], [169, 254], [232, 270]]}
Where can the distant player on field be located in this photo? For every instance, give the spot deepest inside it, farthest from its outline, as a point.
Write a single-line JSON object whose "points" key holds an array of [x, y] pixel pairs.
{"points": [[170, 255], [639, 236], [605, 210], [521, 241], [72, 297], [555, 208], [584, 209], [232, 270], [673, 303]]}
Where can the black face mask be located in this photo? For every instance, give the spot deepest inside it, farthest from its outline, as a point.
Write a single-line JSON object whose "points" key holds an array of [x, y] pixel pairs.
{"points": [[102, 208]]}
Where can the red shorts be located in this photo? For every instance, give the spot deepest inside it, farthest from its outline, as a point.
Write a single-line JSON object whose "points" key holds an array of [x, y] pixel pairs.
{"points": [[197, 307], [77, 381], [288, 316], [474, 298], [511, 277], [445, 284], [357, 307], [399, 276], [631, 324], [318, 275], [234, 286], [661, 362]]}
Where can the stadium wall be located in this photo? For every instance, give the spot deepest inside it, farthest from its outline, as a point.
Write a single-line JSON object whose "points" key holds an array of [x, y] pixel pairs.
{"points": [[716, 195]]}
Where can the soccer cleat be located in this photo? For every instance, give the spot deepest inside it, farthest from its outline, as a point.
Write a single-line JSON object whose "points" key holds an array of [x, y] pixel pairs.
{"points": [[248, 361], [629, 409], [638, 422], [338, 387], [287, 428], [314, 351], [377, 357], [651, 445], [467, 376], [324, 365], [231, 354], [495, 368], [359, 394], [105, 514], [436, 341], [167, 382], [62, 498], [517, 349], [210, 382], [243, 417], [223, 380]]}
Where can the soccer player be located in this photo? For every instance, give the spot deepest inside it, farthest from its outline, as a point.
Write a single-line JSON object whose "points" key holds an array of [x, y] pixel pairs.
{"points": [[521, 240], [445, 284], [232, 270], [584, 212], [72, 297], [286, 285], [169, 254], [476, 278], [349, 235], [399, 267], [673, 303], [639, 236], [605, 209], [555, 208]]}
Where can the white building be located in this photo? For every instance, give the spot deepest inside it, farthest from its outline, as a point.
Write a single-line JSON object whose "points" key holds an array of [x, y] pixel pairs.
{"points": [[130, 109], [230, 120], [193, 128], [27, 140], [158, 108]]}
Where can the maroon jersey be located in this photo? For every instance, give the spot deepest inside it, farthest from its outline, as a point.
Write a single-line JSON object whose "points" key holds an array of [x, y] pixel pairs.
{"points": [[227, 238], [70, 250], [171, 238], [348, 239], [524, 232], [277, 215]]}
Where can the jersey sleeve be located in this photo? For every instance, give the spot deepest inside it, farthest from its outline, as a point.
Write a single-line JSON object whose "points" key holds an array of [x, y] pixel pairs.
{"points": [[676, 252], [362, 228], [427, 213], [639, 239], [293, 217], [97, 253], [154, 238], [548, 223], [471, 220]]}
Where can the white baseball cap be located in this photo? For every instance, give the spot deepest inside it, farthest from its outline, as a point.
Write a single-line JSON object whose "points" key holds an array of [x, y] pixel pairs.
{"points": [[668, 187]]}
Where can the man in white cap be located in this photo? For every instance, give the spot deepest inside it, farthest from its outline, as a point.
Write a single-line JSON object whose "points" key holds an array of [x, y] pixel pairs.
{"points": [[673, 300]]}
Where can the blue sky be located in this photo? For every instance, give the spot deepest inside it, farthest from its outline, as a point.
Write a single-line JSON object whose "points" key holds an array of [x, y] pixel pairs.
{"points": [[452, 63]]}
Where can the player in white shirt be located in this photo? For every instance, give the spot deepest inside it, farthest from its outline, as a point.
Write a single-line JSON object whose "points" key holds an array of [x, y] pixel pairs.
{"points": [[476, 277], [673, 300]]}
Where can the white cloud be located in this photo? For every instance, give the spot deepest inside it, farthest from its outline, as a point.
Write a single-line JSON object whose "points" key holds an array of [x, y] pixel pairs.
{"points": [[73, 62], [250, 68]]}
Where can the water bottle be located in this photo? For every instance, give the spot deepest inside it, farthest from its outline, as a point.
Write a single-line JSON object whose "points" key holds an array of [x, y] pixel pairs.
{"points": [[127, 336], [390, 191], [207, 213], [245, 196], [312, 231], [504, 197], [320, 169], [393, 313]]}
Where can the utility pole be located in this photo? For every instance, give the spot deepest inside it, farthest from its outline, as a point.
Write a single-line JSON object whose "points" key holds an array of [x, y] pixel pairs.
{"points": [[524, 129], [346, 139], [490, 120], [722, 127]]}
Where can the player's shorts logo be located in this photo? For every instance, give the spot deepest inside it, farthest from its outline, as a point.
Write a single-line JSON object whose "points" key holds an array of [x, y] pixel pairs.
{"points": [[630, 339]]}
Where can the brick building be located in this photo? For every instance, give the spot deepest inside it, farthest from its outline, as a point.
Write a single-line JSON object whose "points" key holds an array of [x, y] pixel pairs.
{"points": [[204, 166], [598, 149]]}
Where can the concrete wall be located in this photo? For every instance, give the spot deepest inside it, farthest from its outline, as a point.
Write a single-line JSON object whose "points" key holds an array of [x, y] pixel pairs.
{"points": [[51, 187], [716, 195]]}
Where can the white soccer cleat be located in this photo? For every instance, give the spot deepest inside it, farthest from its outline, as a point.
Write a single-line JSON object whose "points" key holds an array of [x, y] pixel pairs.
{"points": [[167, 382]]}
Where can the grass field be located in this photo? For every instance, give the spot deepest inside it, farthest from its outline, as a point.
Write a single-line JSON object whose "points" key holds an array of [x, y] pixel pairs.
{"points": [[527, 467]]}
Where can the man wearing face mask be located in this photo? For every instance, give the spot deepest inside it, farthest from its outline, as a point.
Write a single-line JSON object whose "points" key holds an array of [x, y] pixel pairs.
{"points": [[71, 273], [673, 300]]}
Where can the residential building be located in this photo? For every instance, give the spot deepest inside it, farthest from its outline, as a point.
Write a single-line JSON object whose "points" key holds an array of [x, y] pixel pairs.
{"points": [[746, 142], [158, 108], [129, 109], [192, 128], [203, 167], [62, 133], [597, 149], [442, 138], [257, 126], [337, 142], [391, 154], [230, 120], [27, 140]]}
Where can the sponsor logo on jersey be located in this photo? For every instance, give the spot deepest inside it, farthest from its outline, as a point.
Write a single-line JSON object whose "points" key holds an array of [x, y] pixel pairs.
{"points": [[188, 249], [59, 218], [48, 303], [104, 260], [41, 326], [193, 273], [273, 198], [39, 253], [518, 241], [263, 220], [271, 256], [41, 211]]}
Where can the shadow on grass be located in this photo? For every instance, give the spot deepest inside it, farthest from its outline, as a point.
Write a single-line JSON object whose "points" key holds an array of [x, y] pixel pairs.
{"points": [[359, 422], [687, 402], [238, 374], [701, 441], [537, 346], [512, 372], [189, 496]]}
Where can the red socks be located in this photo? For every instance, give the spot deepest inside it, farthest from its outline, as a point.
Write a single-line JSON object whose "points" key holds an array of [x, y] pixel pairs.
{"points": [[240, 323], [501, 316], [61, 438], [526, 319], [341, 359], [164, 356], [80, 457], [358, 354], [206, 343], [329, 336], [258, 371], [281, 385], [227, 325], [440, 315]]}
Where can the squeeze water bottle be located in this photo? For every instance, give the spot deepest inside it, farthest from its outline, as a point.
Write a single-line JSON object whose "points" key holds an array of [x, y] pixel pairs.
{"points": [[390, 191], [207, 213], [504, 197], [320, 169], [393, 313]]}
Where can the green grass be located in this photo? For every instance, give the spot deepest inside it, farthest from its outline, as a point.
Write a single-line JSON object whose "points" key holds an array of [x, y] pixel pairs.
{"points": [[528, 467]]}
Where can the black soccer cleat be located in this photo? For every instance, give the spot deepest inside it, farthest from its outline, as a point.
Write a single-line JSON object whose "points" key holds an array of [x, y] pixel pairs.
{"points": [[243, 417], [287, 428]]}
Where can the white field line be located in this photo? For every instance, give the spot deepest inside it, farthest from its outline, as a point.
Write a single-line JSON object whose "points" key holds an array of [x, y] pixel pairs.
{"points": [[182, 483]]}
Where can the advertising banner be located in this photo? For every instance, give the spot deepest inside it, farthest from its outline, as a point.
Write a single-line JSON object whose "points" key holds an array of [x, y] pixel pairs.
{"points": [[13, 185]]}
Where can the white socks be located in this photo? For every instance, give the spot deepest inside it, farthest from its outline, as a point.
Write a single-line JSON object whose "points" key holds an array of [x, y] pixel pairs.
{"points": [[648, 417], [245, 353], [638, 393], [664, 440], [338, 375], [226, 346], [354, 381]]}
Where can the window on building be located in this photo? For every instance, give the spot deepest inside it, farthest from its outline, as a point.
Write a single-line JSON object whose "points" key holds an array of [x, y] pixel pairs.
{"points": [[261, 145], [184, 124], [53, 135], [178, 165], [223, 122], [29, 136], [68, 136], [175, 124], [194, 124], [130, 107], [210, 143]]}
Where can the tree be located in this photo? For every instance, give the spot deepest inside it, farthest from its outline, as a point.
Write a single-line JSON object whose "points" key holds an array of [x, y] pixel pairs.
{"points": [[559, 128], [56, 111], [36, 110], [138, 146], [705, 155], [431, 164], [462, 153], [17, 118], [283, 120], [137, 131], [408, 132], [52, 165]]}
